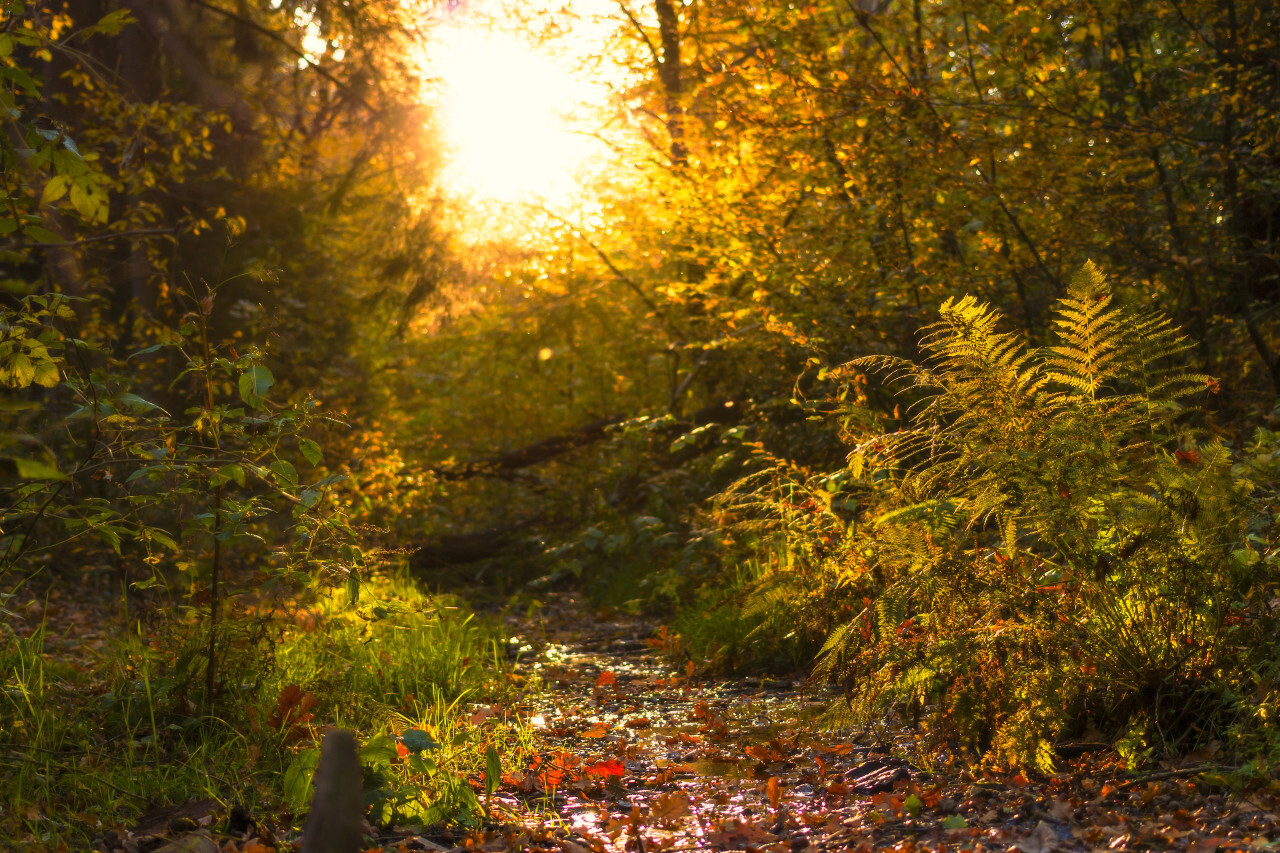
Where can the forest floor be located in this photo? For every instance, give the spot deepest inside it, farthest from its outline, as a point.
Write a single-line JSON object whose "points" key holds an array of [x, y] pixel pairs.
{"points": [[637, 756]]}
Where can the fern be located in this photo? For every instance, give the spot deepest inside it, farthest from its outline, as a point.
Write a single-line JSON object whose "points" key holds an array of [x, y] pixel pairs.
{"points": [[1059, 538]]}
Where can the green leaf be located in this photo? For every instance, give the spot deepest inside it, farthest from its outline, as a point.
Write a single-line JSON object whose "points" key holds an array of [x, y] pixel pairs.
{"points": [[379, 751], [492, 770], [285, 473], [112, 23], [40, 234], [310, 451], [254, 385], [353, 588], [46, 375], [954, 821], [138, 404], [912, 805], [310, 497], [416, 740], [164, 539], [422, 764], [30, 469], [232, 472], [297, 779]]}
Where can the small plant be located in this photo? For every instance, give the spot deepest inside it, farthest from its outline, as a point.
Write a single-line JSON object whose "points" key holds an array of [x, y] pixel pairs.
{"points": [[1054, 547]]}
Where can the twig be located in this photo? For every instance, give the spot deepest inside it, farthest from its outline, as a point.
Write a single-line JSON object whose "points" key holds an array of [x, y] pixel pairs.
{"points": [[99, 238], [1173, 774]]}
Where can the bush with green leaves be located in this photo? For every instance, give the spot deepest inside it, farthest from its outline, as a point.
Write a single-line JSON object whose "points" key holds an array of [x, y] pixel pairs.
{"points": [[170, 487], [1056, 549]]}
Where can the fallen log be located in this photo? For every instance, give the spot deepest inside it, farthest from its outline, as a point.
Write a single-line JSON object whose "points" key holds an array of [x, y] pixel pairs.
{"points": [[507, 465], [453, 549]]}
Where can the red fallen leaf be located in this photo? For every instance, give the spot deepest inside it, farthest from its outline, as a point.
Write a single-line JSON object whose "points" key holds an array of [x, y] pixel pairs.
{"points": [[608, 767], [1213, 386], [1190, 457], [606, 678], [638, 723], [401, 750]]}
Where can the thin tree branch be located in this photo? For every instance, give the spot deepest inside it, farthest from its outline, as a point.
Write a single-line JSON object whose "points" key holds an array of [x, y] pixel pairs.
{"points": [[99, 238]]}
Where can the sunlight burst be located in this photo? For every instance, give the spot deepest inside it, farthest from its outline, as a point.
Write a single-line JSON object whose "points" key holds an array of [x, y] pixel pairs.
{"points": [[511, 116]]}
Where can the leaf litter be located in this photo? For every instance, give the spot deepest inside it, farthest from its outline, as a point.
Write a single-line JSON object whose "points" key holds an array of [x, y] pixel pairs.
{"points": [[635, 755], [639, 756]]}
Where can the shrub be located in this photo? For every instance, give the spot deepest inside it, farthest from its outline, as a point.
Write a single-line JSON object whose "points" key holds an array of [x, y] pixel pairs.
{"points": [[1055, 547]]}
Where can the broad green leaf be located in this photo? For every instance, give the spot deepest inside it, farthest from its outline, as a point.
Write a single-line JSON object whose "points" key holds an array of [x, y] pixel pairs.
{"points": [[230, 473], [416, 740], [297, 778], [310, 451], [254, 385], [46, 374], [422, 764], [954, 821], [310, 497], [30, 469], [379, 751], [284, 472]]}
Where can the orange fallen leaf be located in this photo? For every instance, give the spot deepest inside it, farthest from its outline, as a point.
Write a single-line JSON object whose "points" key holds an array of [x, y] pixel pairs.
{"points": [[773, 790], [669, 807]]}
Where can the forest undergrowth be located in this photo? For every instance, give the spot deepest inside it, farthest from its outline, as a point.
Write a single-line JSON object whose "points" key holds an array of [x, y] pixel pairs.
{"points": [[922, 355]]}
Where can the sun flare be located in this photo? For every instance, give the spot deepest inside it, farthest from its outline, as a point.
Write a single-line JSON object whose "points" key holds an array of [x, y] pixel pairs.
{"points": [[512, 117]]}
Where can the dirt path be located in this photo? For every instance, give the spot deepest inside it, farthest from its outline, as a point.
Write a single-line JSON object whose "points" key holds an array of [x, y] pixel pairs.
{"points": [[638, 757], [633, 756]]}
